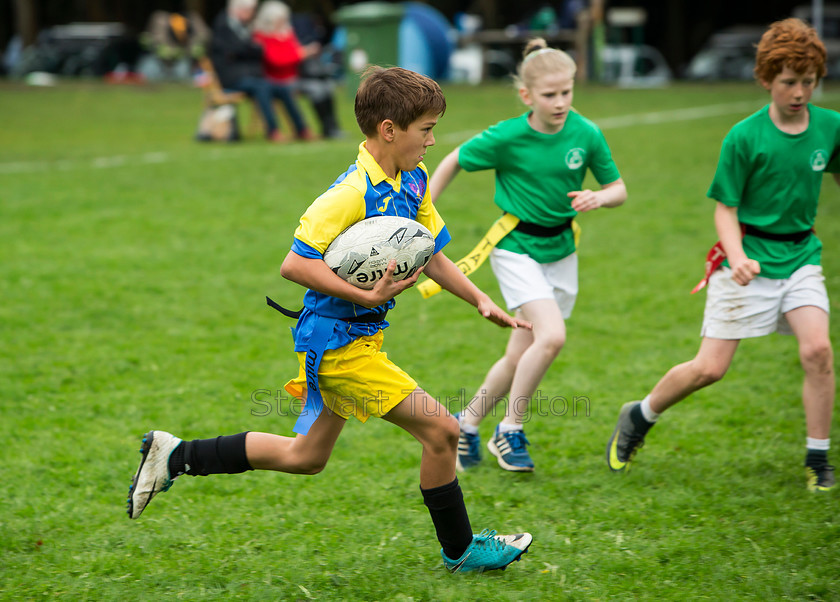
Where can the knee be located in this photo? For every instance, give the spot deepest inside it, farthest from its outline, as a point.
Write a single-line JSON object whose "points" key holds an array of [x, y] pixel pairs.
{"points": [[311, 466], [817, 355], [304, 461], [552, 342], [444, 440], [707, 373], [511, 360]]}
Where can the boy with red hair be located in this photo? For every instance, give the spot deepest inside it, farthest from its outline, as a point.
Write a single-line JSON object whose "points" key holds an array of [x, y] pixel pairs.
{"points": [[766, 186]]}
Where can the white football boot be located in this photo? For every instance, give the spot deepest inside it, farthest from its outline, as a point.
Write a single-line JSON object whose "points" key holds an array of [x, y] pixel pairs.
{"points": [[152, 475]]}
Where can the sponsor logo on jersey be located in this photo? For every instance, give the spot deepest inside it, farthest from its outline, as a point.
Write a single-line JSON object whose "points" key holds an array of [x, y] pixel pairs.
{"points": [[819, 160], [575, 157]]}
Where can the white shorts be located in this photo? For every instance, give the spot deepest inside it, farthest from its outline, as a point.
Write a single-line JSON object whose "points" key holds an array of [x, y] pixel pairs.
{"points": [[521, 279], [741, 312]]}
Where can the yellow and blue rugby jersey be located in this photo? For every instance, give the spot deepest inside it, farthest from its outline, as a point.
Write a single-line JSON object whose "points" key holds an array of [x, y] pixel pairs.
{"points": [[362, 191]]}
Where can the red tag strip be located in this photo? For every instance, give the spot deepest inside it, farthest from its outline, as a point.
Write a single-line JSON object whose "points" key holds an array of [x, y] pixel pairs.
{"points": [[714, 258]]}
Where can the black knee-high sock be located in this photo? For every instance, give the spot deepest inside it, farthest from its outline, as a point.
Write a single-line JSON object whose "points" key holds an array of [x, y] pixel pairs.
{"points": [[202, 457], [449, 515]]}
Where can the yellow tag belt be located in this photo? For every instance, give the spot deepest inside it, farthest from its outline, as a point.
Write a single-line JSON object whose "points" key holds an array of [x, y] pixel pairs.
{"points": [[473, 260]]}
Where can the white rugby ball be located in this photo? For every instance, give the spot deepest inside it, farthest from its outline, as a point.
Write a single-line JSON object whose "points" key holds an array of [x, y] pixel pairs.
{"points": [[361, 253]]}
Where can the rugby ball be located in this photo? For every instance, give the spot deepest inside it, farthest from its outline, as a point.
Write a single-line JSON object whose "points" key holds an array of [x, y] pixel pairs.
{"points": [[360, 254]]}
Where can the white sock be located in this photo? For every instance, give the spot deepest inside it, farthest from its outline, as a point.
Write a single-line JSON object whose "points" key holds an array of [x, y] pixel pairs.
{"points": [[467, 428], [647, 412], [504, 427], [821, 444]]}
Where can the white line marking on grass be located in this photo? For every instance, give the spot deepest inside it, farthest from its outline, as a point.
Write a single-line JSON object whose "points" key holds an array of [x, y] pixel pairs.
{"points": [[103, 162], [219, 152], [24, 167], [154, 157], [688, 114], [657, 117]]}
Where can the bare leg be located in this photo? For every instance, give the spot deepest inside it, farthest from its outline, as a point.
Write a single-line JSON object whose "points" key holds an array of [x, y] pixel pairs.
{"points": [[526, 360], [810, 325], [708, 366], [549, 335], [432, 425], [499, 378], [297, 455]]}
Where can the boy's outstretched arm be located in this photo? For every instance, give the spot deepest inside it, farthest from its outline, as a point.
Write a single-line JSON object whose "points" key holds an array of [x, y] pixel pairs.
{"points": [[316, 275], [610, 195], [442, 270], [444, 174], [728, 228]]}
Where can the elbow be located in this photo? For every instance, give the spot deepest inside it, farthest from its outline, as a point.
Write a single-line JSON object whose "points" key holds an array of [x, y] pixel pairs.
{"points": [[619, 200], [616, 201], [614, 195], [287, 270], [622, 194]]}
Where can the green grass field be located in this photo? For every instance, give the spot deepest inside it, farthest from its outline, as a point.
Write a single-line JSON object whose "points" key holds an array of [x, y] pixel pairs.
{"points": [[134, 264]]}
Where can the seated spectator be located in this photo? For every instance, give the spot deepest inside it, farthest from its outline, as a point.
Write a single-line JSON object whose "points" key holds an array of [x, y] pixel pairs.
{"points": [[174, 41], [318, 72], [238, 61], [282, 56]]}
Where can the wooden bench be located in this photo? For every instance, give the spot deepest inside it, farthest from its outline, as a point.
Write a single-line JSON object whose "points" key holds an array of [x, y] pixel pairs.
{"points": [[216, 96], [576, 40]]}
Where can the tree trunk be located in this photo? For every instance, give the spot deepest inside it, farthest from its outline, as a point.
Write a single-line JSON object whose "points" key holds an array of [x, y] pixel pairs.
{"points": [[95, 11], [26, 21]]}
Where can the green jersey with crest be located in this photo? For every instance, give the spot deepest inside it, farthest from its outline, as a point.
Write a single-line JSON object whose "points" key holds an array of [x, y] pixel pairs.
{"points": [[534, 174], [774, 180]]}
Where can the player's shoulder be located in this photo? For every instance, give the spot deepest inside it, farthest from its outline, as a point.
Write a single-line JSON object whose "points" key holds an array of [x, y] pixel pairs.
{"points": [[354, 179], [348, 189], [759, 118], [580, 125], [746, 129], [508, 127], [822, 114], [581, 120]]}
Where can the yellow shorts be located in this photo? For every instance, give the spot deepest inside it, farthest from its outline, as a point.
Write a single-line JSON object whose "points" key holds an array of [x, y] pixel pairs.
{"points": [[357, 379]]}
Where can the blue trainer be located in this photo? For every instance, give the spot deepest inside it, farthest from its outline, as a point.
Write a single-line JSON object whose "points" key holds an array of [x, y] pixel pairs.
{"points": [[488, 552], [469, 449], [509, 449]]}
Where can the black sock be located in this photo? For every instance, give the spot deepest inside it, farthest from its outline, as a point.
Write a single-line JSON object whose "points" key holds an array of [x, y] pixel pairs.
{"points": [[816, 458], [642, 425], [176, 461], [449, 515], [202, 457]]}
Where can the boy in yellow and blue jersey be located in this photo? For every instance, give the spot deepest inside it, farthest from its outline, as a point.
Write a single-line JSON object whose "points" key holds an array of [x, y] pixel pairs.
{"points": [[339, 333]]}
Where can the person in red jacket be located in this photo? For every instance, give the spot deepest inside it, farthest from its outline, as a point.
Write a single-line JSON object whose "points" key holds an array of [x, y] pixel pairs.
{"points": [[238, 61], [282, 56]]}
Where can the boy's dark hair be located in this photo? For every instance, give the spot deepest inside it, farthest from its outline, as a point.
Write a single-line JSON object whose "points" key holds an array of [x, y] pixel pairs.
{"points": [[397, 94], [789, 43]]}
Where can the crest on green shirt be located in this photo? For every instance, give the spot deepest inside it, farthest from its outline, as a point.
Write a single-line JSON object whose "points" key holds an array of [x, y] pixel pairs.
{"points": [[819, 160], [574, 158]]}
